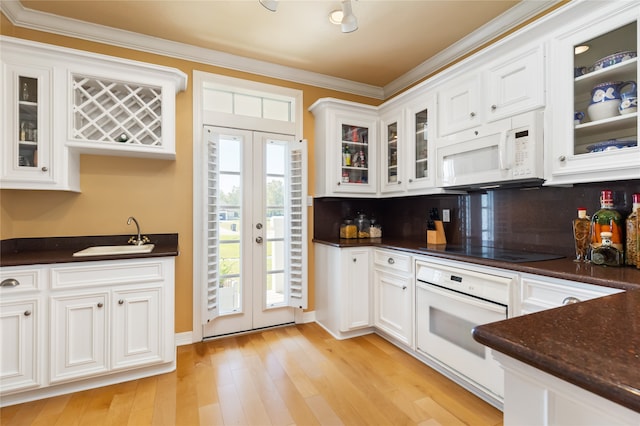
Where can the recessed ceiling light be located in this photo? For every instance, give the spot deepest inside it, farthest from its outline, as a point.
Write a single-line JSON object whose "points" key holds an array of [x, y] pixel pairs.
{"points": [[335, 17], [581, 49]]}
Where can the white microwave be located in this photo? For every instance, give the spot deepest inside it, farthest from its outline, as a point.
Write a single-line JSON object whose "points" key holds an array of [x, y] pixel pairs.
{"points": [[505, 152]]}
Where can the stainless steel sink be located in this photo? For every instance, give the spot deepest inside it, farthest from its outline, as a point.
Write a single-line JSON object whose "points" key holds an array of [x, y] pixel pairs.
{"points": [[114, 250]]}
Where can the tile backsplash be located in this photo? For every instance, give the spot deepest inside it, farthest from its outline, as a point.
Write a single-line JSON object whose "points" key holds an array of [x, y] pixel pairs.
{"points": [[531, 219]]}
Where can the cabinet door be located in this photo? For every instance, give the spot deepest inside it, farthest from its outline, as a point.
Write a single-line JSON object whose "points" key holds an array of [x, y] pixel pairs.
{"points": [[515, 85], [78, 336], [393, 305], [356, 310], [137, 332], [459, 104], [421, 148], [602, 145], [357, 154], [27, 141], [18, 337], [392, 162]]}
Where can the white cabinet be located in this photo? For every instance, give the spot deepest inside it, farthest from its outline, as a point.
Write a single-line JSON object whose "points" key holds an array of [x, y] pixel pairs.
{"points": [[79, 332], [21, 310], [393, 144], [62, 102], [533, 397], [393, 289], [503, 88], [538, 293], [581, 151], [107, 322], [343, 290], [345, 148]]}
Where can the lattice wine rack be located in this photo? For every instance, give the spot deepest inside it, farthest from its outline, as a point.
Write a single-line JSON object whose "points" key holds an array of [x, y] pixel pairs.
{"points": [[108, 111]]}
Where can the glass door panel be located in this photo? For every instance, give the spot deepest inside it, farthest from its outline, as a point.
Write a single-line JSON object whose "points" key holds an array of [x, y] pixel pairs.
{"points": [[421, 145], [27, 122], [392, 153], [355, 154], [274, 287], [600, 74]]}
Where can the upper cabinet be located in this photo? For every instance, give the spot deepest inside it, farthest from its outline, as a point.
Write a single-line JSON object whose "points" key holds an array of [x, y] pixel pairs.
{"points": [[61, 102], [503, 88], [593, 119], [345, 148]]}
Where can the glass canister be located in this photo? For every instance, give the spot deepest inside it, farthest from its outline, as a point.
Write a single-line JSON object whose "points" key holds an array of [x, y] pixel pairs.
{"points": [[348, 229], [363, 224]]}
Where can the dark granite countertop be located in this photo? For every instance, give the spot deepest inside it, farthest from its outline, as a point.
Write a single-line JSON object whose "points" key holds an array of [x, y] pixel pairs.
{"points": [[624, 277], [32, 251], [593, 344]]}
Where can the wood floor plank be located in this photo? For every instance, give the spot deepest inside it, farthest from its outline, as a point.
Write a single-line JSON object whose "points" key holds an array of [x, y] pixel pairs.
{"points": [[285, 376]]}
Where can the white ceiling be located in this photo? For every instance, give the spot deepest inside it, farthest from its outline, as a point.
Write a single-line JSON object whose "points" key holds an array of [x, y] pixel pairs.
{"points": [[394, 39]]}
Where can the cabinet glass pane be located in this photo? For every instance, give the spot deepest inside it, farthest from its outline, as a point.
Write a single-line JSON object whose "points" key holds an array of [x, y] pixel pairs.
{"points": [[28, 122], [422, 145], [604, 78], [392, 152], [355, 154]]}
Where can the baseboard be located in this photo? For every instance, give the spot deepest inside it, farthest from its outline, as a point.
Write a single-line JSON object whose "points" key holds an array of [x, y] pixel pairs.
{"points": [[184, 338], [303, 317]]}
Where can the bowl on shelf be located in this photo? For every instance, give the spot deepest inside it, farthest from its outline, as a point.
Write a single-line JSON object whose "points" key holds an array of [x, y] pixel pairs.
{"points": [[613, 59], [603, 110], [612, 144]]}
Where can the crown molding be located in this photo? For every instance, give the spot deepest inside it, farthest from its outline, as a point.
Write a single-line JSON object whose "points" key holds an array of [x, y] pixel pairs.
{"points": [[523, 11], [46, 22]]}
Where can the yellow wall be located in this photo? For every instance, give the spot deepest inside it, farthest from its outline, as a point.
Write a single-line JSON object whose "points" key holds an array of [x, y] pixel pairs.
{"points": [[157, 192]]}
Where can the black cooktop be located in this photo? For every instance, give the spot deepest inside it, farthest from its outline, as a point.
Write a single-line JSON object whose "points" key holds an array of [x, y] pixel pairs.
{"points": [[493, 253]]}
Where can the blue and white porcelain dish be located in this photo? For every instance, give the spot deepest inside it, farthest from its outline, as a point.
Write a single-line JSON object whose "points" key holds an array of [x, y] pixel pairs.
{"points": [[612, 144], [613, 59]]}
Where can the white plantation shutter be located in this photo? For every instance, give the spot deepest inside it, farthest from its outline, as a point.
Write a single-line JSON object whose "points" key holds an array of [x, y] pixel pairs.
{"points": [[211, 308], [297, 224]]}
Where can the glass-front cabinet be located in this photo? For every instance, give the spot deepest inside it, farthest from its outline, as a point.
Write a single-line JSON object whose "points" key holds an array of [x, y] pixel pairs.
{"points": [[393, 142], [27, 147], [595, 126], [345, 148]]}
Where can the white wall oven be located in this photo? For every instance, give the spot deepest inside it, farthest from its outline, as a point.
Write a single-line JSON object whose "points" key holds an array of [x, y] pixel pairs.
{"points": [[450, 302]]}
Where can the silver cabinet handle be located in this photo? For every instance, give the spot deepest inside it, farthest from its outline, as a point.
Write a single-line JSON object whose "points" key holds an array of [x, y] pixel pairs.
{"points": [[10, 282], [562, 158], [494, 107], [100, 305], [355, 260], [404, 287], [120, 302], [569, 300], [259, 240], [399, 182], [27, 313], [45, 169], [472, 114], [410, 180], [391, 261], [338, 183]]}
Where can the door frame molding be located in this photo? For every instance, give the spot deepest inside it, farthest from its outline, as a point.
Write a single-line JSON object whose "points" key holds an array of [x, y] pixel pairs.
{"points": [[200, 118]]}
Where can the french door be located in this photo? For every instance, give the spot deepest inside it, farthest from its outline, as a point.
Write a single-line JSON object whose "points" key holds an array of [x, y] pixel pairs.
{"points": [[255, 230]]}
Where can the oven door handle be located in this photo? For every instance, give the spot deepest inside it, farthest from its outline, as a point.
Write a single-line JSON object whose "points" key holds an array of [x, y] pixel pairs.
{"points": [[464, 298]]}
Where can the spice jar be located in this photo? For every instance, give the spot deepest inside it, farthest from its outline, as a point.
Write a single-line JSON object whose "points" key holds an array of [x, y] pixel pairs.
{"points": [[348, 229]]}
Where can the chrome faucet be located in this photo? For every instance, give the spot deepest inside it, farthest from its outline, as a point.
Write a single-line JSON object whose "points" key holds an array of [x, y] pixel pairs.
{"points": [[139, 240]]}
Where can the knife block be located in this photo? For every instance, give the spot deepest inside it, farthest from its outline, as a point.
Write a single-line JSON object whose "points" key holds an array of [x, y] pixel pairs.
{"points": [[437, 236]]}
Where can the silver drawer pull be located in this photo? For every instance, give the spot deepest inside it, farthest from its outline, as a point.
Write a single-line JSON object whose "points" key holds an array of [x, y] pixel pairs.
{"points": [[391, 261], [10, 282], [569, 300]]}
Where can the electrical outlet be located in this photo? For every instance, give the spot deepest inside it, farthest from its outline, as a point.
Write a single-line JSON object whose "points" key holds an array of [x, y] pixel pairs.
{"points": [[446, 215]]}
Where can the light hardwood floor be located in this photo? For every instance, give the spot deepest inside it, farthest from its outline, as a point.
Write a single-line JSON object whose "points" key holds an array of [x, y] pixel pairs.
{"points": [[292, 375]]}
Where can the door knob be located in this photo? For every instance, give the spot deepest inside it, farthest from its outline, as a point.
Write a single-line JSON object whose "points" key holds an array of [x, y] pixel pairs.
{"points": [[258, 225], [100, 305], [120, 302], [259, 240]]}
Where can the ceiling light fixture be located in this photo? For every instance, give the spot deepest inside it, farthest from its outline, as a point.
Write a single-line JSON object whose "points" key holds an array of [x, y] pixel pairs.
{"points": [[349, 22], [335, 17], [581, 49], [271, 5]]}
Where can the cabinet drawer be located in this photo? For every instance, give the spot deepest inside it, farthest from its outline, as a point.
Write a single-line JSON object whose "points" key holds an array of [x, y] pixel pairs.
{"points": [[107, 273], [26, 279], [392, 260], [537, 294]]}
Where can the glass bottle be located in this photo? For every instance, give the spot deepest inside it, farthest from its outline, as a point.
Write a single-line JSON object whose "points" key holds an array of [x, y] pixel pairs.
{"points": [[346, 156], [606, 254], [607, 219], [581, 235], [631, 247]]}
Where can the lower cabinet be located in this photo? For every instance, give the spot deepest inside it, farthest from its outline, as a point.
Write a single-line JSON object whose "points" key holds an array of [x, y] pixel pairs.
{"points": [[343, 290], [533, 397], [73, 326], [393, 294]]}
